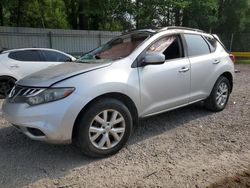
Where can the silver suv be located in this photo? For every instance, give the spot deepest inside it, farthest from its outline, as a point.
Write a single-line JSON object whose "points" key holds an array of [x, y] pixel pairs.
{"points": [[97, 101]]}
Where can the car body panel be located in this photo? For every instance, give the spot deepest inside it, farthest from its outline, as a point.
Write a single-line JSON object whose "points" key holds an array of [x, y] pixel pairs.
{"points": [[5, 70], [23, 68], [51, 75], [56, 124], [19, 69], [114, 78], [202, 81], [172, 88]]}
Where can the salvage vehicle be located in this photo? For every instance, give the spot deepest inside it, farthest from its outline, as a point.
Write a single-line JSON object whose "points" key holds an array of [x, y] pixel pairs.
{"points": [[96, 102]]}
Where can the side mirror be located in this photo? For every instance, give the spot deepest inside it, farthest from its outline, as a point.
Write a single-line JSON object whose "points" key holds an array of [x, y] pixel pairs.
{"points": [[154, 58], [73, 59]]}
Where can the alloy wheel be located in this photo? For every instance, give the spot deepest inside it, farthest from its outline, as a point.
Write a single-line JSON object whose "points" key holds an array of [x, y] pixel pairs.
{"points": [[107, 129], [222, 94]]}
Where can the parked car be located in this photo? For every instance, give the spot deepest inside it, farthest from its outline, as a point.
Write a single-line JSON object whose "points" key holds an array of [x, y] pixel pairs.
{"points": [[18, 63], [96, 102]]}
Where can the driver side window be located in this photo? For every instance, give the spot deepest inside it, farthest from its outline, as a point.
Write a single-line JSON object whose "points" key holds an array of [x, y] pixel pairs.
{"points": [[168, 45]]}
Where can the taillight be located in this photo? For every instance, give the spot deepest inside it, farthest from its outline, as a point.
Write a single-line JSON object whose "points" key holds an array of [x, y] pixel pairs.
{"points": [[232, 57]]}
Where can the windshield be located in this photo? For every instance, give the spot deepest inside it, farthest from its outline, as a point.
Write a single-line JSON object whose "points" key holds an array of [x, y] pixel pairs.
{"points": [[117, 48]]}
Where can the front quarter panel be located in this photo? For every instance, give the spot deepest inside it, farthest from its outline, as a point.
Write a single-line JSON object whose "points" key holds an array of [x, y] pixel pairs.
{"points": [[116, 78]]}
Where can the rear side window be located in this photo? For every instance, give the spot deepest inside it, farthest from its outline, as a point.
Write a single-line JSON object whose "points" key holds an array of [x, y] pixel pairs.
{"points": [[211, 42], [196, 45], [54, 56], [26, 55]]}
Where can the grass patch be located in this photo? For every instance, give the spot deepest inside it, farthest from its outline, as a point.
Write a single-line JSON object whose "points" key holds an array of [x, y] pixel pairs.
{"points": [[243, 61]]}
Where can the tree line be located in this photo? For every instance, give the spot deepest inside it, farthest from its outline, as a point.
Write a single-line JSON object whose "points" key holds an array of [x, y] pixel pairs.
{"points": [[229, 16]]}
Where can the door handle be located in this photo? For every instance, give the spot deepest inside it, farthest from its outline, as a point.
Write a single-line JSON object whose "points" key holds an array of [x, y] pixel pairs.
{"points": [[184, 69], [216, 61], [14, 66]]}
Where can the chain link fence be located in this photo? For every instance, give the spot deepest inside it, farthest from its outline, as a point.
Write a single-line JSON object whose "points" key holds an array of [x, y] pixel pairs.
{"points": [[236, 42], [74, 42], [77, 42]]}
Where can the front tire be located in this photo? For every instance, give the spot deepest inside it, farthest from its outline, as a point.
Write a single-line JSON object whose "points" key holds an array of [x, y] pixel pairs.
{"points": [[219, 96], [104, 128]]}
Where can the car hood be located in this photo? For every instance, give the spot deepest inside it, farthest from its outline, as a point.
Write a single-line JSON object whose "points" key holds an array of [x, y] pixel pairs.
{"points": [[52, 75]]}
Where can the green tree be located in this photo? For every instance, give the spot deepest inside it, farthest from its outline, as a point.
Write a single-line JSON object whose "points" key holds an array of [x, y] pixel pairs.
{"points": [[84, 14], [117, 15], [232, 15], [33, 13], [201, 14], [71, 7], [246, 20], [220, 16], [170, 12], [1, 14]]}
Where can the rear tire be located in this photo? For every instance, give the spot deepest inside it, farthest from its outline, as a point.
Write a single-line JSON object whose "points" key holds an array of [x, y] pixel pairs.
{"points": [[6, 84], [219, 96], [104, 128]]}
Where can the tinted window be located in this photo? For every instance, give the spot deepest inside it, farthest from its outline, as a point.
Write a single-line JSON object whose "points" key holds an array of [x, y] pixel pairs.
{"points": [[26, 55], [212, 43], [169, 46], [55, 56], [196, 45]]}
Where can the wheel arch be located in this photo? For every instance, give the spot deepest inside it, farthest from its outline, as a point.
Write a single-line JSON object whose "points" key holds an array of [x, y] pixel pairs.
{"points": [[127, 101], [8, 76], [2, 77], [229, 76]]}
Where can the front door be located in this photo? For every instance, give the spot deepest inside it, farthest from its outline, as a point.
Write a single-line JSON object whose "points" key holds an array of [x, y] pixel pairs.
{"points": [[167, 85]]}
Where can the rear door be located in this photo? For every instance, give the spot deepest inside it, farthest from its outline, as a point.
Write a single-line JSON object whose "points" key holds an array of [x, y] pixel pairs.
{"points": [[54, 58], [26, 62], [201, 52]]}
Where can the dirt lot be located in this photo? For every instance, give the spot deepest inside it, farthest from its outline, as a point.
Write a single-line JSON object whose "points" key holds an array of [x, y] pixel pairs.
{"points": [[188, 147]]}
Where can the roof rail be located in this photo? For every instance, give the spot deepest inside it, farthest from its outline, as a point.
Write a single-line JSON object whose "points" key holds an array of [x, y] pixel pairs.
{"points": [[179, 27], [140, 30]]}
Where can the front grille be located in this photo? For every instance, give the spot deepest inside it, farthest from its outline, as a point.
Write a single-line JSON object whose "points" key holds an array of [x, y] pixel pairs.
{"points": [[15, 91], [20, 92]]}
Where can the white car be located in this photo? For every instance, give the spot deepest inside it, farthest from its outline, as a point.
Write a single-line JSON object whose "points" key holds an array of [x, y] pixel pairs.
{"points": [[18, 63]]}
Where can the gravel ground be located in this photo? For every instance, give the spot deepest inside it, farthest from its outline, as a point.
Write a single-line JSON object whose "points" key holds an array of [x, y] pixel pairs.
{"points": [[188, 147]]}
